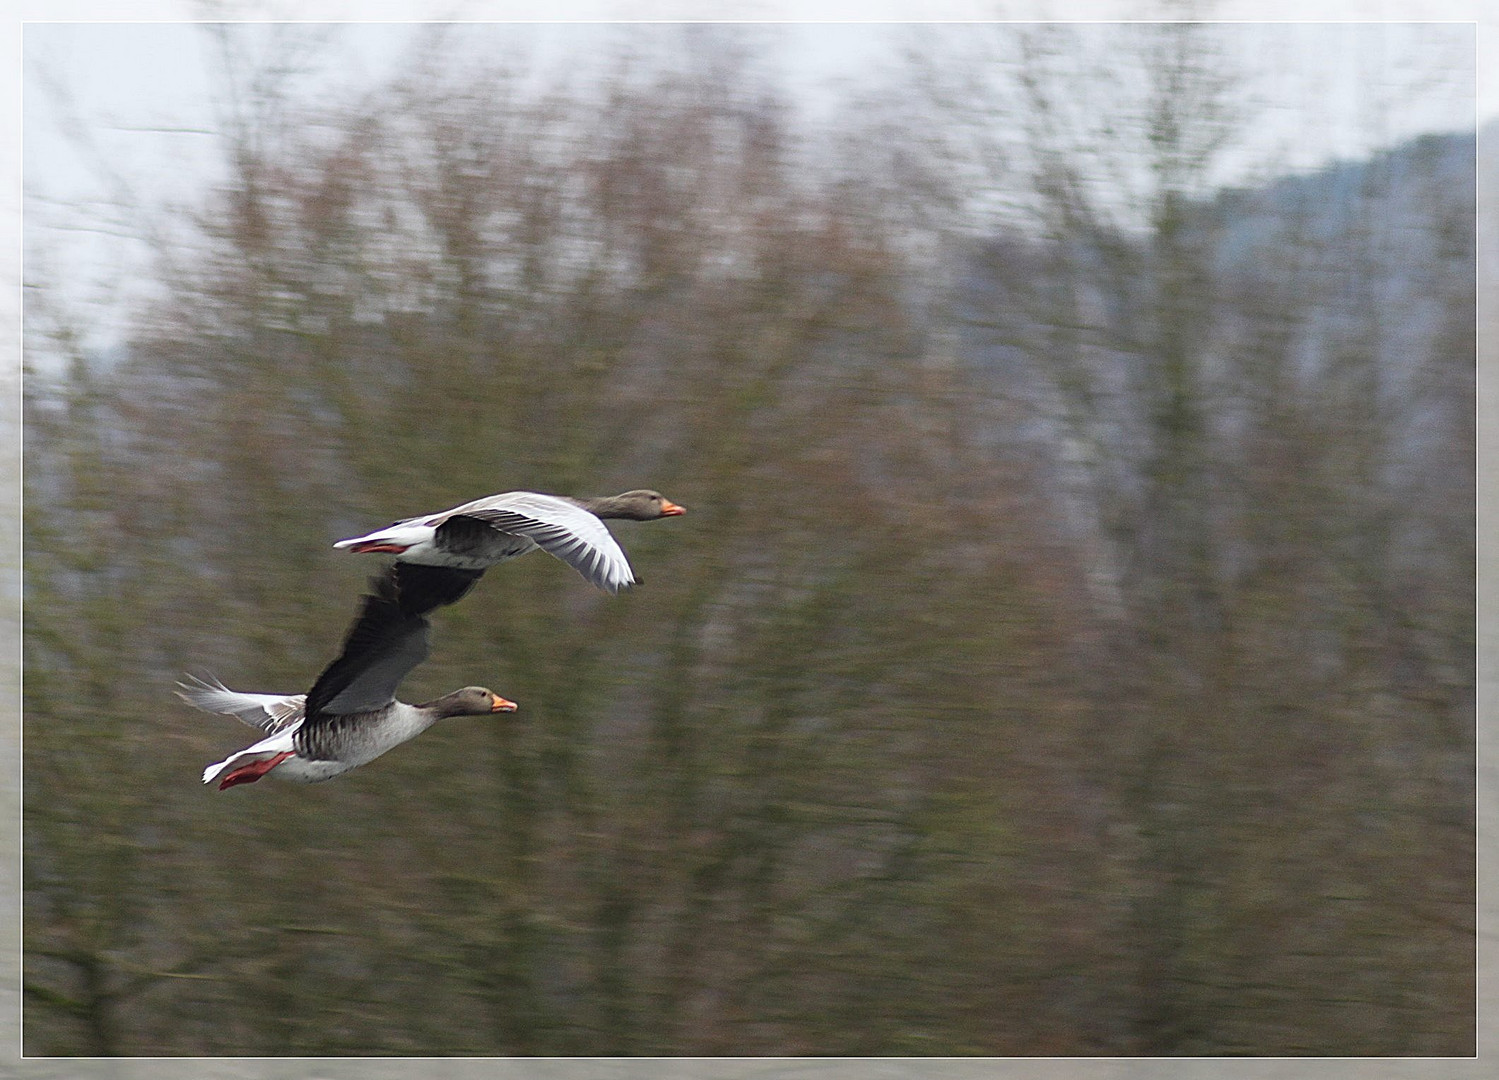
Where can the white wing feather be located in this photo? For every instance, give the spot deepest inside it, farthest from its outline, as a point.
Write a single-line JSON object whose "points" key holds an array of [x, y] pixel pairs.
{"points": [[269, 712]]}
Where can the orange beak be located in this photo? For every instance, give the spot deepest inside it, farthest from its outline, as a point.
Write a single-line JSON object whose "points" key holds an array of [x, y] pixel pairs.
{"points": [[671, 509], [502, 705]]}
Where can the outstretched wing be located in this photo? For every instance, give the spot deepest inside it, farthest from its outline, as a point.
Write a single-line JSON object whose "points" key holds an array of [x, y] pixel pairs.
{"points": [[556, 525], [382, 646], [269, 712]]}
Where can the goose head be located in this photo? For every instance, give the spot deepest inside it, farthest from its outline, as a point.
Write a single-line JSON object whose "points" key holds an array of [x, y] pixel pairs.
{"points": [[470, 701], [639, 505]]}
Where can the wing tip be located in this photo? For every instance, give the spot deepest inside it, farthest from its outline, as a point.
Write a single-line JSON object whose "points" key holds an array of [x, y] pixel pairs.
{"points": [[194, 691]]}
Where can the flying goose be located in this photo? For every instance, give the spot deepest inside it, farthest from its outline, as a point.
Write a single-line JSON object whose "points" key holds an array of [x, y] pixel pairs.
{"points": [[467, 540], [351, 715]]}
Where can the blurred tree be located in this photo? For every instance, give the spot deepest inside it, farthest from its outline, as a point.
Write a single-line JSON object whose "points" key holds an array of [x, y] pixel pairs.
{"points": [[1236, 427]]}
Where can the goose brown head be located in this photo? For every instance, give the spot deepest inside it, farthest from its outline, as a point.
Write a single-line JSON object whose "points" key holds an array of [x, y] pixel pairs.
{"points": [[470, 701], [639, 505]]}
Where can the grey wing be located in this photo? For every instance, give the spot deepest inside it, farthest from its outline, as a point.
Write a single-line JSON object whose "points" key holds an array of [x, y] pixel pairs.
{"points": [[374, 685], [268, 712], [560, 528], [382, 646]]}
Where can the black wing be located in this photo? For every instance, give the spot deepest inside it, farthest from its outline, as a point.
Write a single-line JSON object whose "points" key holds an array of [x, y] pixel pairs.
{"points": [[384, 644], [420, 588]]}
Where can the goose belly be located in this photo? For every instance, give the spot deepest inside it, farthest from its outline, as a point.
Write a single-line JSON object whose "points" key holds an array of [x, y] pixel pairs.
{"points": [[356, 739], [302, 770]]}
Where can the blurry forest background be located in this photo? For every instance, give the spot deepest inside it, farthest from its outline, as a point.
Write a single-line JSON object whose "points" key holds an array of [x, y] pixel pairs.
{"points": [[1069, 648]]}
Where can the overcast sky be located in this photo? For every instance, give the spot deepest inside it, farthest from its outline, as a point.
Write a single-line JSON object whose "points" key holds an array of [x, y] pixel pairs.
{"points": [[144, 89]]}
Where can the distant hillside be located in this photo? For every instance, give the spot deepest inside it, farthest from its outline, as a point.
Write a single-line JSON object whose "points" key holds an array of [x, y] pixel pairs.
{"points": [[1342, 298]]}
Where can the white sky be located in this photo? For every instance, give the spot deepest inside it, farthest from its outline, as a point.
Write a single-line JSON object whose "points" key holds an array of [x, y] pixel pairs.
{"points": [[154, 74]]}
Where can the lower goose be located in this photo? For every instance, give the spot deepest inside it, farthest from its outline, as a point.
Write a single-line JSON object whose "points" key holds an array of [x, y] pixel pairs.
{"points": [[351, 715], [461, 543]]}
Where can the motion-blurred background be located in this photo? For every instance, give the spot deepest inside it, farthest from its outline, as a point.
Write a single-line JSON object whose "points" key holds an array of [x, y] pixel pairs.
{"points": [[1070, 645]]}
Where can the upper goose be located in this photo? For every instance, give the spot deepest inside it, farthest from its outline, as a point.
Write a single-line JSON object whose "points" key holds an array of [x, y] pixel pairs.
{"points": [[350, 716], [469, 539]]}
